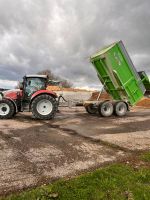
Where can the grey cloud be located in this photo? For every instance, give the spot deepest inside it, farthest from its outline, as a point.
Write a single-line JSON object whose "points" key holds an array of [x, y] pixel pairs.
{"points": [[61, 35]]}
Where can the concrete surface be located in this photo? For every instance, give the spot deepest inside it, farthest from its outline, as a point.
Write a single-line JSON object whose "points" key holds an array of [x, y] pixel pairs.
{"points": [[34, 152]]}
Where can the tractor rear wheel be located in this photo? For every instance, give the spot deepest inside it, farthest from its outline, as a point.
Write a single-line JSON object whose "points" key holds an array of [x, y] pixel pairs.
{"points": [[7, 109], [106, 109], [120, 108], [44, 107], [90, 109]]}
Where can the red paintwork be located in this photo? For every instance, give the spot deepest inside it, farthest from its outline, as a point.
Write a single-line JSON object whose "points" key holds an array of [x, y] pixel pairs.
{"points": [[44, 92], [17, 94], [13, 94]]}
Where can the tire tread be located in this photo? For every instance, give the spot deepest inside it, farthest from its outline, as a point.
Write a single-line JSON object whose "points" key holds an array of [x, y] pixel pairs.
{"points": [[44, 117], [12, 109]]}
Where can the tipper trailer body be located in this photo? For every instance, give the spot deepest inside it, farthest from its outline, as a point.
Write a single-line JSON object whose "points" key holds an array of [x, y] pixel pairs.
{"points": [[120, 79]]}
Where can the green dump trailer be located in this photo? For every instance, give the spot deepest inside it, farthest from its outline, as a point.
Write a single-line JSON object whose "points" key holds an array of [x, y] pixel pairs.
{"points": [[120, 79]]}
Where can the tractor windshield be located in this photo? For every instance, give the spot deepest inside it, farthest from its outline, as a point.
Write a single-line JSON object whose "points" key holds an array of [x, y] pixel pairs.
{"points": [[34, 84]]}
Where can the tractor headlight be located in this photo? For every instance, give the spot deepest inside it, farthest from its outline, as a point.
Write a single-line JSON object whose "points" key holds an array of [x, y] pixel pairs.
{"points": [[1, 96]]}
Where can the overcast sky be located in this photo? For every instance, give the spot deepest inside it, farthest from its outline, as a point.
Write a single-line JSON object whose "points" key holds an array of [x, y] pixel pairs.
{"points": [[61, 35]]}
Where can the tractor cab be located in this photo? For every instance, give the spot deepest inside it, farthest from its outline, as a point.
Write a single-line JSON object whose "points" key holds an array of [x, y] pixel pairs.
{"points": [[33, 83]]}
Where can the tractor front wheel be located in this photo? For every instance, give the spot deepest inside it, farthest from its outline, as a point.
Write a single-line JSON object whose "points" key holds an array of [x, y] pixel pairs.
{"points": [[44, 107], [7, 109]]}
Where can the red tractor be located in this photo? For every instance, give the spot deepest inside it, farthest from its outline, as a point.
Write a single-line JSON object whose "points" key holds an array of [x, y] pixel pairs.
{"points": [[32, 96]]}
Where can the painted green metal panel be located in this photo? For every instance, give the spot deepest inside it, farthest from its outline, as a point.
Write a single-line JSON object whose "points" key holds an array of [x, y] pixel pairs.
{"points": [[145, 80], [118, 74]]}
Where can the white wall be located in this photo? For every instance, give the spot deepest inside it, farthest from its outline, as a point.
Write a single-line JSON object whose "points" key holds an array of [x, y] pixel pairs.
{"points": [[75, 97]]}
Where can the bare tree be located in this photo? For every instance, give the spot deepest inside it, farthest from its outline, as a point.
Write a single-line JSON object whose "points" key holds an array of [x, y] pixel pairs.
{"points": [[48, 73], [51, 76], [66, 84]]}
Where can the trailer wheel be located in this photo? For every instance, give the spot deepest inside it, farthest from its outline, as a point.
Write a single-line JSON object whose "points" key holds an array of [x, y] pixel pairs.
{"points": [[7, 109], [44, 107], [106, 109], [120, 108], [90, 109]]}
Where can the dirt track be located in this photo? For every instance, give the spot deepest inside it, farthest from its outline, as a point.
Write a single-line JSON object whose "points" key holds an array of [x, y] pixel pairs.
{"points": [[33, 152]]}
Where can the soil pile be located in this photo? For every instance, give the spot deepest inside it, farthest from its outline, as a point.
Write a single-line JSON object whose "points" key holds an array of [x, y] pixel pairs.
{"points": [[96, 95], [57, 88], [145, 102]]}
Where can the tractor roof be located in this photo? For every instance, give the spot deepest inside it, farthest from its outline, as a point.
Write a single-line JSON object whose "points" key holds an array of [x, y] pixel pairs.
{"points": [[36, 76]]}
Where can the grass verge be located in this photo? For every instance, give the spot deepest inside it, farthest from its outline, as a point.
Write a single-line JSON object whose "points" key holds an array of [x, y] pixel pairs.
{"points": [[117, 181], [145, 157]]}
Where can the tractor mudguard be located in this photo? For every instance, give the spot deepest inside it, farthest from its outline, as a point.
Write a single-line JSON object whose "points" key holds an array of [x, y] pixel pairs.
{"points": [[43, 92]]}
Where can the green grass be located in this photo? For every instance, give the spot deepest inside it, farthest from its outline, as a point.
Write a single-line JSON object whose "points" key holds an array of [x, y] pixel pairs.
{"points": [[145, 157], [117, 181]]}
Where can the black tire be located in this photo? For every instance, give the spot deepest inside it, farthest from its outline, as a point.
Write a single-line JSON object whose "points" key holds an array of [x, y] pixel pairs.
{"points": [[90, 109], [7, 109], [35, 109], [106, 109], [120, 108]]}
